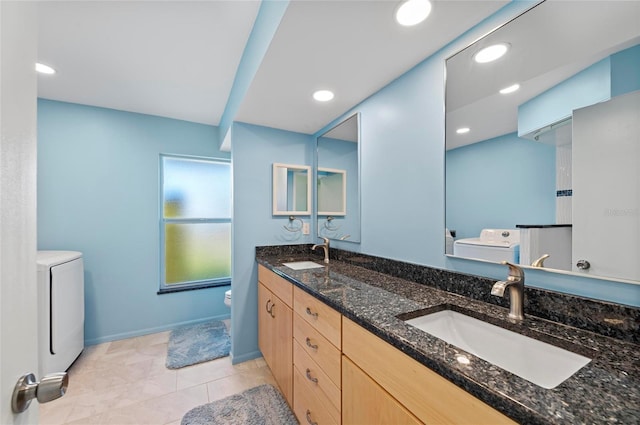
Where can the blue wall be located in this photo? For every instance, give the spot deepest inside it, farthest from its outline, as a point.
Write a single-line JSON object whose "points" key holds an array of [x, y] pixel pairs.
{"points": [[518, 175], [98, 193], [589, 86], [254, 150], [625, 71]]}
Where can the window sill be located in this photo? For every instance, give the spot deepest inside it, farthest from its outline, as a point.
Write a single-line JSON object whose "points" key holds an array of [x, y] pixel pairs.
{"points": [[193, 287]]}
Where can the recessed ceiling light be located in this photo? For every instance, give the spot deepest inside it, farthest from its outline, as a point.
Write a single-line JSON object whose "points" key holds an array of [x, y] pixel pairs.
{"points": [[44, 69], [323, 95], [412, 12], [463, 130], [510, 89], [491, 53]]}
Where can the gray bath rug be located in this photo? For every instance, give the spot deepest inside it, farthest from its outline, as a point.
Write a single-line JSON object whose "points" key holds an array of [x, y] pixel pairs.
{"points": [[262, 405], [198, 343]]}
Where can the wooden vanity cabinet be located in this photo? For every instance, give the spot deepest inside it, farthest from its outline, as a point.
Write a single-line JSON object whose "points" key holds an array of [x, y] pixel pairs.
{"points": [[427, 395], [275, 328], [317, 335], [333, 371]]}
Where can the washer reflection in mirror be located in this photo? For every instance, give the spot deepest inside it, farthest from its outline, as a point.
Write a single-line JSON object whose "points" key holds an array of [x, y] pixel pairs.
{"points": [[338, 182], [516, 168]]}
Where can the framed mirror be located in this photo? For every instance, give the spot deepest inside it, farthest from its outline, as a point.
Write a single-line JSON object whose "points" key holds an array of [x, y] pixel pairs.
{"points": [[543, 143], [338, 181], [291, 189]]}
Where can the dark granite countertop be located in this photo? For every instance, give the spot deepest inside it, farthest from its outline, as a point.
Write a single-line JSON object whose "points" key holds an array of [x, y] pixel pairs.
{"points": [[607, 390]]}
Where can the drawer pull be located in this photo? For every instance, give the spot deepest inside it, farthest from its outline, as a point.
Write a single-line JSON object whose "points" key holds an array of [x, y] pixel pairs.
{"points": [[309, 418], [310, 313], [311, 378], [271, 312], [267, 306], [310, 345]]}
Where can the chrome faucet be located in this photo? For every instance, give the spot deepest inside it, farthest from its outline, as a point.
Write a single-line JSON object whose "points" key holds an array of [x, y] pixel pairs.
{"points": [[515, 283], [325, 247]]}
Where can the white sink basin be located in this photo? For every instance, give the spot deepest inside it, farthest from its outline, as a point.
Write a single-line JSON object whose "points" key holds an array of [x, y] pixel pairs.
{"points": [[303, 265], [538, 362]]}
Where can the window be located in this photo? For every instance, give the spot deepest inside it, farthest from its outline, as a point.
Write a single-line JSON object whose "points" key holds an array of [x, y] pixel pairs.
{"points": [[195, 222]]}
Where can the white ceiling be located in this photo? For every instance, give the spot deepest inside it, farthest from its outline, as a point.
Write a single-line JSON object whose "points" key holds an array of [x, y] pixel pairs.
{"points": [[178, 59], [353, 48], [174, 59]]}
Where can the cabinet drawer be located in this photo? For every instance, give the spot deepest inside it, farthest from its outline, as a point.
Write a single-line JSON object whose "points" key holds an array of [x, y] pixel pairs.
{"points": [[308, 408], [318, 348], [319, 315], [429, 396], [280, 287], [320, 383]]}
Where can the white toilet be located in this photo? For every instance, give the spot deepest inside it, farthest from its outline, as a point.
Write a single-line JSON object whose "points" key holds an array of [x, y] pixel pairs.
{"points": [[227, 298]]}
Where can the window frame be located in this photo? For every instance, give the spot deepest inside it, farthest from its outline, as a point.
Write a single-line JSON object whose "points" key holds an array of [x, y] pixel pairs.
{"points": [[196, 284]]}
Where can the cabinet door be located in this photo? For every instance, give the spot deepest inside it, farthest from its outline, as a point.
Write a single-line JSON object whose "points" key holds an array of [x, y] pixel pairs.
{"points": [[282, 347], [365, 402], [427, 395], [265, 327]]}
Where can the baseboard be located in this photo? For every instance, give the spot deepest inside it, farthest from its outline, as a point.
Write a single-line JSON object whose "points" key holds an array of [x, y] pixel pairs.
{"points": [[147, 331], [245, 357]]}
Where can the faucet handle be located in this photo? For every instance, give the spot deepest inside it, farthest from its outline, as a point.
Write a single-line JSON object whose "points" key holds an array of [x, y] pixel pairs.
{"points": [[514, 270], [540, 261], [326, 240]]}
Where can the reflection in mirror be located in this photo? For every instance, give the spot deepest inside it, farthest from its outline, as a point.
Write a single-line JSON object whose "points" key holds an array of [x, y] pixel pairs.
{"points": [[291, 189], [546, 172], [338, 194], [332, 191]]}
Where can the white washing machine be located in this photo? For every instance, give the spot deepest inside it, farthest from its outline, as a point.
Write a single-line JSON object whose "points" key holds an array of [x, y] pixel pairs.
{"points": [[61, 307]]}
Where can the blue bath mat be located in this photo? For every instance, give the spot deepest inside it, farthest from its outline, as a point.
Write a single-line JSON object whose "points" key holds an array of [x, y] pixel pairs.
{"points": [[262, 405], [198, 343]]}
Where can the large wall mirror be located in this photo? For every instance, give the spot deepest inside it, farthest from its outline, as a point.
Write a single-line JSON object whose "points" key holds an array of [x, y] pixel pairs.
{"points": [[543, 143], [338, 182]]}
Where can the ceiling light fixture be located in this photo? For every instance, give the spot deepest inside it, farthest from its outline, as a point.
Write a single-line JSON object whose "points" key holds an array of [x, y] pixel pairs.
{"points": [[412, 12], [491, 53], [323, 95], [510, 89], [44, 69], [463, 130]]}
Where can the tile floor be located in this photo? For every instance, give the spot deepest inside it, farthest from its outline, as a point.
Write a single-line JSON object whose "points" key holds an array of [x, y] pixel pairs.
{"points": [[126, 382]]}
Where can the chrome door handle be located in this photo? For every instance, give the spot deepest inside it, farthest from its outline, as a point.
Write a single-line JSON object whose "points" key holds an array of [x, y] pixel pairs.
{"points": [[51, 387]]}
